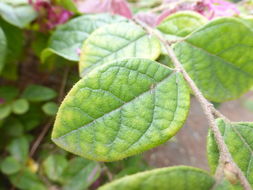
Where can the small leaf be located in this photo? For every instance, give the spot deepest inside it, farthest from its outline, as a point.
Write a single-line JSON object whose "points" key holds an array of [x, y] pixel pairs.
{"points": [[33, 118], [19, 15], [5, 110], [68, 38], [126, 40], [18, 148], [174, 178], [80, 174], [20, 106], [54, 166], [13, 127], [37, 93], [222, 67], [68, 4], [238, 137], [3, 49], [181, 24], [122, 109], [8, 93], [26, 180], [50, 108], [10, 166], [15, 41]]}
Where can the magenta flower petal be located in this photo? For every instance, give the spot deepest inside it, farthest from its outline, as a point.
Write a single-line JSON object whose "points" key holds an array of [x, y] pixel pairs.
{"points": [[93, 6], [101, 6], [163, 15], [147, 17], [121, 7], [2, 101], [50, 15], [78, 51]]}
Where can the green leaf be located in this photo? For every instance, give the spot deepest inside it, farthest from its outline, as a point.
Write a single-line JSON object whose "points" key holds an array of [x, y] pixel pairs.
{"points": [[226, 185], [15, 41], [18, 15], [15, 2], [26, 180], [117, 41], [13, 127], [121, 109], [20, 106], [3, 49], [128, 166], [239, 140], [68, 4], [50, 108], [10, 165], [68, 38], [54, 166], [37, 93], [80, 174], [173, 178], [181, 24], [8, 93], [5, 111], [219, 57], [19, 148], [33, 118]]}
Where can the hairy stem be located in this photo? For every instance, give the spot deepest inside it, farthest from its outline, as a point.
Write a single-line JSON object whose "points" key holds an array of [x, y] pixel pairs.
{"points": [[226, 160]]}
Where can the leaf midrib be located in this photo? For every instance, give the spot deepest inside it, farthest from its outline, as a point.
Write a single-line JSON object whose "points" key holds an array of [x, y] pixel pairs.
{"points": [[116, 109], [220, 58]]}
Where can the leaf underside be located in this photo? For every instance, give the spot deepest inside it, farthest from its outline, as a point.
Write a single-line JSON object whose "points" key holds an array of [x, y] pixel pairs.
{"points": [[181, 24], [117, 41], [122, 109], [219, 58], [239, 139], [174, 178]]}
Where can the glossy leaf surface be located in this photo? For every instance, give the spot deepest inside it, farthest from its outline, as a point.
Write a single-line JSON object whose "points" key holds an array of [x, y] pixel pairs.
{"points": [[114, 42], [67, 40], [219, 58]]}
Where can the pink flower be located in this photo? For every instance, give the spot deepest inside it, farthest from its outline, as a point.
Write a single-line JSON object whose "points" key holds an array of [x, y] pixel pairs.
{"points": [[147, 17], [221, 8], [208, 8], [78, 51], [99, 6], [50, 15], [2, 101]]}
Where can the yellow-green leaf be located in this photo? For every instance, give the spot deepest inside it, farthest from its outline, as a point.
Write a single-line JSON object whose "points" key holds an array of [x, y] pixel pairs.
{"points": [[121, 109], [174, 178], [115, 42]]}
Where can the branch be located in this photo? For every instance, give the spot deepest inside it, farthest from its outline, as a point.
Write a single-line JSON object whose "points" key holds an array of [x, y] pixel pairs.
{"points": [[40, 137], [226, 159], [50, 122]]}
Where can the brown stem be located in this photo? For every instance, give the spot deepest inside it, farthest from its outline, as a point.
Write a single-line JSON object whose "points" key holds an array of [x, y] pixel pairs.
{"points": [[49, 124], [40, 137], [63, 85], [226, 159]]}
